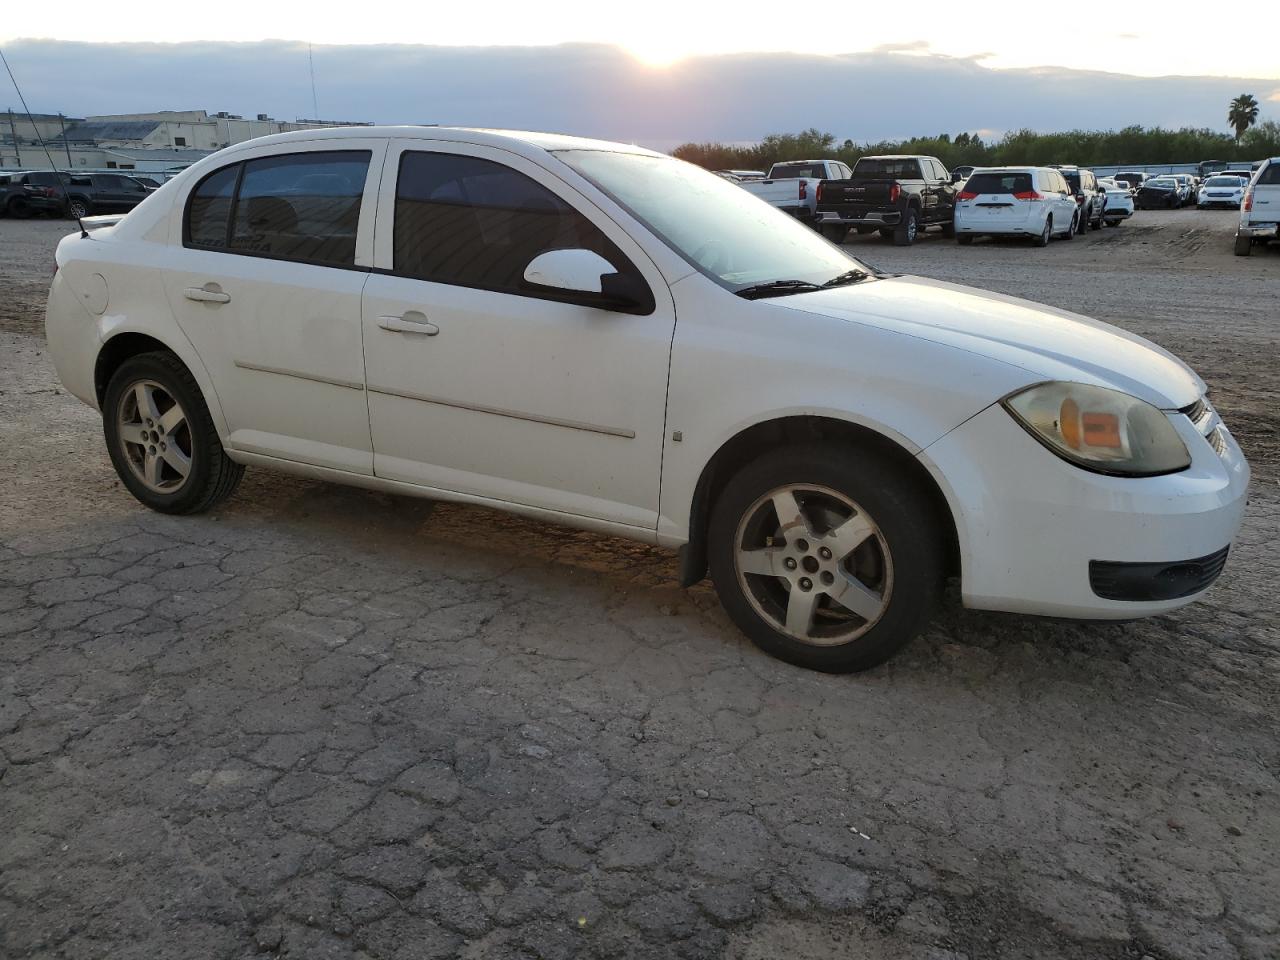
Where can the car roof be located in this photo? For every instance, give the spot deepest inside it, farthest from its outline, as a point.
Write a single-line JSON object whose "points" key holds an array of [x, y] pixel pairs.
{"points": [[517, 141]]}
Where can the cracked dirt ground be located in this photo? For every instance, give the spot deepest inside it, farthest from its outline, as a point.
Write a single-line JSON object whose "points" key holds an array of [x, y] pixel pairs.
{"points": [[323, 723]]}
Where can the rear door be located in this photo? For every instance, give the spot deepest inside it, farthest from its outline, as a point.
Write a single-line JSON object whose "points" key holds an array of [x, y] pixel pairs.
{"points": [[997, 200], [1265, 193], [266, 284]]}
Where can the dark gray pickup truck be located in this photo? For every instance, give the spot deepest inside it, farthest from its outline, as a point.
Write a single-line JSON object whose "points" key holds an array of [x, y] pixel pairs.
{"points": [[897, 195]]}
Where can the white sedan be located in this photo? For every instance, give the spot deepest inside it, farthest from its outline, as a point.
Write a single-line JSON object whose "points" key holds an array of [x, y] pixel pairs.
{"points": [[1222, 192], [1118, 206], [606, 337]]}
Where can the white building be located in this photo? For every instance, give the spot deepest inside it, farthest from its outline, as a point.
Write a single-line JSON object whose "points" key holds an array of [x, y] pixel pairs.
{"points": [[163, 141]]}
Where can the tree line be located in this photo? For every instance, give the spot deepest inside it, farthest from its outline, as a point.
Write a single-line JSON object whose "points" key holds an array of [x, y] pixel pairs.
{"points": [[1086, 148]]}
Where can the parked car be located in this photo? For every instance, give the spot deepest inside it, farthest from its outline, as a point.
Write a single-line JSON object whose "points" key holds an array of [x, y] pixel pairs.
{"points": [[1221, 192], [27, 193], [1090, 198], [1260, 209], [1159, 193], [1135, 180], [89, 193], [896, 195], [1032, 202], [793, 186], [607, 337], [1118, 202]]}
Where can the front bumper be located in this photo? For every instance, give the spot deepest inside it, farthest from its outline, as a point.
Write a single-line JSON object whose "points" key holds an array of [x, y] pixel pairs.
{"points": [[1030, 524], [1117, 213]]}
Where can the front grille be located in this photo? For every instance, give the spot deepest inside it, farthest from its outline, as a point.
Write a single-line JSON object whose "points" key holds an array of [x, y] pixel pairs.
{"points": [[1113, 580]]}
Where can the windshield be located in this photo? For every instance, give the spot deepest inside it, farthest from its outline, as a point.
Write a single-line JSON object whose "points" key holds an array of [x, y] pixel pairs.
{"points": [[731, 236], [1222, 182], [1161, 182]]}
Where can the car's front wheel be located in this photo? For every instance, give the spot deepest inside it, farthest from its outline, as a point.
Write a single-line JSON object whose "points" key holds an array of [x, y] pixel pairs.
{"points": [[828, 558], [78, 207], [161, 438]]}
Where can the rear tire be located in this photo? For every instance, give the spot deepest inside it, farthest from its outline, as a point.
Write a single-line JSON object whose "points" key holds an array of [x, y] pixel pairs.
{"points": [[78, 207], [1244, 246], [893, 573], [907, 230], [18, 208], [161, 438], [1046, 233]]}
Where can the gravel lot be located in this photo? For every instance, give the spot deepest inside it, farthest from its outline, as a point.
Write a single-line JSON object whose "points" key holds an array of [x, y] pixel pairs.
{"points": [[325, 723]]}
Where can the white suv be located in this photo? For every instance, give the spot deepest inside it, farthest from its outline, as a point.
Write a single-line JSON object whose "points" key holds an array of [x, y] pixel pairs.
{"points": [[603, 336], [1033, 202], [1260, 208]]}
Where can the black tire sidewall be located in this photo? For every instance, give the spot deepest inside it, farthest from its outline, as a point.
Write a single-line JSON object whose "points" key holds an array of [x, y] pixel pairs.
{"points": [[905, 515], [167, 371]]}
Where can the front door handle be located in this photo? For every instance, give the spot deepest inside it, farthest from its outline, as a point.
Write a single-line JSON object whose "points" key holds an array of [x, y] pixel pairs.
{"points": [[411, 322], [209, 293]]}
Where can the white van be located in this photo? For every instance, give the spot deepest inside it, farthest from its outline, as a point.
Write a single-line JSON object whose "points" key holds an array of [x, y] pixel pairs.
{"points": [[1032, 202]]}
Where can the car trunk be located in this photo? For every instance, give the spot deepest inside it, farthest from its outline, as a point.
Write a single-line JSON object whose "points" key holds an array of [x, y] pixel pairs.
{"points": [[997, 198]]}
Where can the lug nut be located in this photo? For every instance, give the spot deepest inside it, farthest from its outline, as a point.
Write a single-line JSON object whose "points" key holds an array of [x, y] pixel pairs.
{"points": [[825, 553], [806, 583], [789, 563]]}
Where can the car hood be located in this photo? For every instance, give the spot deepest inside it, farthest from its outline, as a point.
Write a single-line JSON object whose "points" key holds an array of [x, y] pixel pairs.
{"points": [[1050, 344]]}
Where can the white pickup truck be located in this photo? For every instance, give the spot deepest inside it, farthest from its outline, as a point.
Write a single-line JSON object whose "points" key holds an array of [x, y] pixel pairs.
{"points": [[792, 186], [1260, 208]]}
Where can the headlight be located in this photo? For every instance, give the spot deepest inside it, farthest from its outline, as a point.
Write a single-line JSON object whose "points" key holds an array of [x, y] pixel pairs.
{"points": [[1099, 429]]}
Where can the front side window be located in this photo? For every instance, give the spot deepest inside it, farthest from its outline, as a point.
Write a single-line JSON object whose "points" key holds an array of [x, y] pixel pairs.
{"points": [[475, 223], [303, 207], [729, 235]]}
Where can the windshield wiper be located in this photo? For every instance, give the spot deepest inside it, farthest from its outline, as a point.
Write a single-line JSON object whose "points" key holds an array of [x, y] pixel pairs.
{"points": [[776, 288], [849, 276]]}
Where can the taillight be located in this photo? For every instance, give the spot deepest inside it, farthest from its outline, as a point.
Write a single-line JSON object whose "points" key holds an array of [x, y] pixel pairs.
{"points": [[804, 189], [895, 191], [1247, 204], [818, 196], [1027, 195], [966, 195]]}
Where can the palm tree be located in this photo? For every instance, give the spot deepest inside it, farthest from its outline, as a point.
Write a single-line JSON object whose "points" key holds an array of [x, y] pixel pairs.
{"points": [[1243, 113]]}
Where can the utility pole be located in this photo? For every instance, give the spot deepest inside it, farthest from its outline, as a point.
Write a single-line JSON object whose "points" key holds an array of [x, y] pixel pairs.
{"points": [[13, 129]]}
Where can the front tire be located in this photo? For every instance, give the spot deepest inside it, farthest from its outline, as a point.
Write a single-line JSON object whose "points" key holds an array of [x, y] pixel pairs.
{"points": [[161, 438], [78, 207], [827, 558]]}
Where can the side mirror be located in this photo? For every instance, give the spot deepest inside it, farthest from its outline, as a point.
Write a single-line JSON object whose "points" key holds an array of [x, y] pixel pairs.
{"points": [[584, 277], [573, 271]]}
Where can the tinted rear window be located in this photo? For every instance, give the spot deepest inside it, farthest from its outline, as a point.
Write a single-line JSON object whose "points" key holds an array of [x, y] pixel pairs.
{"points": [[870, 168], [796, 171], [999, 183], [1073, 179]]}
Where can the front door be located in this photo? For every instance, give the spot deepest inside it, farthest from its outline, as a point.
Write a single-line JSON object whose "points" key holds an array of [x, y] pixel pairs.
{"points": [[266, 285], [482, 385]]}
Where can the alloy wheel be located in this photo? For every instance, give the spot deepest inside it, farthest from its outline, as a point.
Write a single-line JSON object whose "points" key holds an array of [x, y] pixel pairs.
{"points": [[78, 208], [154, 436], [813, 564]]}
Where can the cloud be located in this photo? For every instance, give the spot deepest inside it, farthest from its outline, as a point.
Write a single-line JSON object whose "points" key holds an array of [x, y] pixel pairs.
{"points": [[598, 90], [1274, 96]]}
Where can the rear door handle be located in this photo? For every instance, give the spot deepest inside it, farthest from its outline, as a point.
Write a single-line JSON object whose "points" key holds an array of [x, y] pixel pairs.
{"points": [[209, 293], [411, 322]]}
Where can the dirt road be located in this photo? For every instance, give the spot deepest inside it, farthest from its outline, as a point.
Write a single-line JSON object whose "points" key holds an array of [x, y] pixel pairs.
{"points": [[324, 723]]}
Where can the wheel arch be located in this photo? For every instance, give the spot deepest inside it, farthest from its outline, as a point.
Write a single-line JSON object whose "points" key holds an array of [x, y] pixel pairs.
{"points": [[759, 438], [122, 345]]}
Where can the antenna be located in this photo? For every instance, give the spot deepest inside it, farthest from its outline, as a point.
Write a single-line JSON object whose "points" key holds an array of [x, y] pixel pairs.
{"points": [[311, 63], [65, 180]]}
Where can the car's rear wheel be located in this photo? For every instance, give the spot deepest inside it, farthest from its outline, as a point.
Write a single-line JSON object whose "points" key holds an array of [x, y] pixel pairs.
{"points": [[905, 234], [828, 558], [1244, 246], [1046, 233], [161, 438], [18, 208]]}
